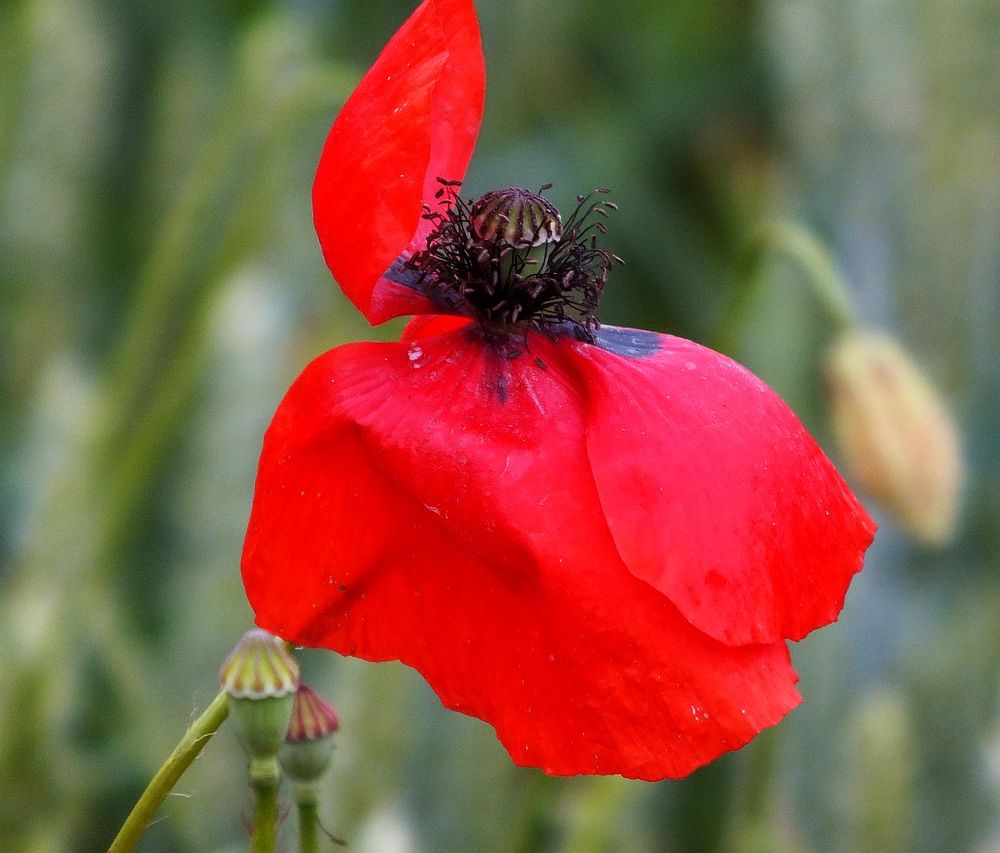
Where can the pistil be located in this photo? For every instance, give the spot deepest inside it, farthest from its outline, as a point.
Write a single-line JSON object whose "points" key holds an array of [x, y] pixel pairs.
{"points": [[508, 260]]}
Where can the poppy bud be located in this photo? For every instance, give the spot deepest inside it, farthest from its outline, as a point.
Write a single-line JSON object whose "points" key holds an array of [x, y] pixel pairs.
{"points": [[517, 217], [260, 677], [309, 741], [895, 433]]}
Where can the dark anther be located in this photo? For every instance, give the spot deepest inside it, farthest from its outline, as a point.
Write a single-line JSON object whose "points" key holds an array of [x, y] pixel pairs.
{"points": [[508, 260]]}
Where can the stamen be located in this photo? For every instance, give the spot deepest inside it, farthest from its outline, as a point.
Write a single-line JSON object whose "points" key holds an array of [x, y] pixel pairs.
{"points": [[508, 260]]}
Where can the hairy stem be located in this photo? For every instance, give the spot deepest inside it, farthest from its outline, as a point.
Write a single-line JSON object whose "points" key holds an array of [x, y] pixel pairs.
{"points": [[171, 770]]}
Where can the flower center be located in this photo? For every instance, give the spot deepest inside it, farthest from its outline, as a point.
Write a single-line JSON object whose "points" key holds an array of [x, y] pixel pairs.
{"points": [[509, 260]]}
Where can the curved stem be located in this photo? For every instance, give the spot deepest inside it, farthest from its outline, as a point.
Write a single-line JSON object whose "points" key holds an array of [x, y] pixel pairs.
{"points": [[804, 250], [814, 260], [172, 769]]}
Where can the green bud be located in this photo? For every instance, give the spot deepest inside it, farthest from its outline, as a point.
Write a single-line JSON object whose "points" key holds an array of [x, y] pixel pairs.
{"points": [[309, 742], [259, 667], [260, 677]]}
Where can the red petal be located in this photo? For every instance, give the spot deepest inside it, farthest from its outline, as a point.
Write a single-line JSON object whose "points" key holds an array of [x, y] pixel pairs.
{"points": [[425, 501], [413, 118], [430, 325], [714, 491]]}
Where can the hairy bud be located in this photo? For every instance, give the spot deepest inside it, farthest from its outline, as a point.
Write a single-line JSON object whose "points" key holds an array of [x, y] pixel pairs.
{"points": [[898, 439]]}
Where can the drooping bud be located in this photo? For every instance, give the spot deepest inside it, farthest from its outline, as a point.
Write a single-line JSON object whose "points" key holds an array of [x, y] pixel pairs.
{"points": [[309, 741], [898, 439], [517, 217], [260, 677]]}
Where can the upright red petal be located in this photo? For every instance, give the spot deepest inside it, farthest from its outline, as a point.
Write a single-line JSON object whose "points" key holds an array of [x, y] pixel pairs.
{"points": [[713, 490], [413, 118], [430, 501]]}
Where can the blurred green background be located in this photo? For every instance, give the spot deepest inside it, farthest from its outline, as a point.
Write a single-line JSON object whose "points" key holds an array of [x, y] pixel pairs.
{"points": [[162, 286]]}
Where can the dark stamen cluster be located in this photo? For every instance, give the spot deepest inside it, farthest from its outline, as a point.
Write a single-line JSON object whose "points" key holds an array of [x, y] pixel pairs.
{"points": [[507, 260]]}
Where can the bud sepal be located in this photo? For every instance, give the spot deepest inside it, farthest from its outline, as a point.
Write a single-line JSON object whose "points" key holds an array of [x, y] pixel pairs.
{"points": [[260, 677], [308, 745]]}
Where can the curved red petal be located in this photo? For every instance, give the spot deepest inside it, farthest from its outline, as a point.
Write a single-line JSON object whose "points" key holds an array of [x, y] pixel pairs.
{"points": [[713, 490], [413, 118], [424, 501], [431, 325]]}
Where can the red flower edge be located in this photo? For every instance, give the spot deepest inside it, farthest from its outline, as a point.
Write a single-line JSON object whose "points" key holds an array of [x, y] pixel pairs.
{"points": [[413, 118], [474, 547], [599, 547]]}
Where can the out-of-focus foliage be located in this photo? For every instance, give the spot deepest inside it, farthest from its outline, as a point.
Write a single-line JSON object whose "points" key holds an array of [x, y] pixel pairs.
{"points": [[160, 286]]}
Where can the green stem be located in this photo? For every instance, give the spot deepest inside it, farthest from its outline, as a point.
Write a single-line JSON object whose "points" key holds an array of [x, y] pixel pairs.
{"points": [[596, 815], [752, 827], [305, 798], [759, 783], [163, 284], [539, 796], [814, 260], [166, 777], [803, 249], [264, 779]]}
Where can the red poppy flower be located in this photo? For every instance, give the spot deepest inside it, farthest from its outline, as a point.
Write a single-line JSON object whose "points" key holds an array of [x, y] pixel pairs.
{"points": [[596, 539]]}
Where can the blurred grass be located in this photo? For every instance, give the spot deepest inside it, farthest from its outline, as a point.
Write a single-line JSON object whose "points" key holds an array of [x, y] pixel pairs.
{"points": [[160, 287]]}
